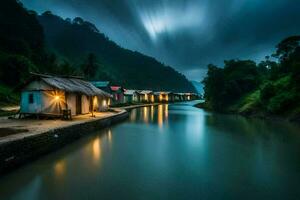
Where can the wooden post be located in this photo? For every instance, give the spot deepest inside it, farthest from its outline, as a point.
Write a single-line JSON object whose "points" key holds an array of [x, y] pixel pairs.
{"points": [[93, 106]]}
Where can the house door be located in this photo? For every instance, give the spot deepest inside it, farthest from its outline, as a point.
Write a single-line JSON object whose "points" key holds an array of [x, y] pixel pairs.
{"points": [[78, 104]]}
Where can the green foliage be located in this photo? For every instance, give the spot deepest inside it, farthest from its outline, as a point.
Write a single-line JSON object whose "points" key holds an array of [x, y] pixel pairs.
{"points": [[224, 86], [7, 96], [90, 68], [267, 92], [270, 87], [14, 69], [249, 104], [282, 103]]}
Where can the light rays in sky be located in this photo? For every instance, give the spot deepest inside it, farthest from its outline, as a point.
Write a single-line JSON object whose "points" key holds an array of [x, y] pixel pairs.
{"points": [[168, 19]]}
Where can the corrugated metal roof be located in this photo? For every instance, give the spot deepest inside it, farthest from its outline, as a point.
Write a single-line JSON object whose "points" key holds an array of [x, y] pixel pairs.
{"points": [[130, 92], [100, 84]]}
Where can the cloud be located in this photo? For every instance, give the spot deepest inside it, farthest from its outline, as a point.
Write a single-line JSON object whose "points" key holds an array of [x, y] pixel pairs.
{"points": [[187, 34]]}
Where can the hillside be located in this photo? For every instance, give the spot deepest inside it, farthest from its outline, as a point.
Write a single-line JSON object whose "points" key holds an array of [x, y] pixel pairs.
{"points": [[73, 40], [270, 88], [21, 48]]}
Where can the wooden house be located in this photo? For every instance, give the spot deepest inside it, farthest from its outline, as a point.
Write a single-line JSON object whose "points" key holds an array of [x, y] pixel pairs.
{"points": [[146, 96], [163, 96], [178, 97], [102, 85], [131, 96], [50, 95], [118, 94]]}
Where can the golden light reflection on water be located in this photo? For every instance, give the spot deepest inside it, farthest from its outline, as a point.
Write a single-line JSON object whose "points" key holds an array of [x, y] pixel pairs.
{"points": [[160, 116], [166, 108], [96, 150], [109, 135], [146, 114], [133, 115], [152, 113], [60, 168]]}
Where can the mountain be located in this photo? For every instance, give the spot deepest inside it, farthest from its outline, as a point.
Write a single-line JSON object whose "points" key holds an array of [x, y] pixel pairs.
{"points": [[198, 86], [21, 42], [74, 40]]}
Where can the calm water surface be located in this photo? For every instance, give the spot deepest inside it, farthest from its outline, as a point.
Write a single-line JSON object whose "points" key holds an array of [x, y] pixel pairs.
{"points": [[169, 152]]}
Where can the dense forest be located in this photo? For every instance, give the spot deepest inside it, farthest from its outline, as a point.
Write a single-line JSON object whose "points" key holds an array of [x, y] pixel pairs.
{"points": [[271, 87], [49, 44]]}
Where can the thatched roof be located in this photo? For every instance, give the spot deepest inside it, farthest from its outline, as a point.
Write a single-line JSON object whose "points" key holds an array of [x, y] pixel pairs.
{"points": [[71, 84]]}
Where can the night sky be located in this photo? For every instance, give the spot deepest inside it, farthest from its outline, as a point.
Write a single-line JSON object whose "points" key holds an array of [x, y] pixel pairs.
{"points": [[187, 34]]}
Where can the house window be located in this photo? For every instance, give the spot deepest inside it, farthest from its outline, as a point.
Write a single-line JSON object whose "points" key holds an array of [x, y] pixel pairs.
{"points": [[30, 98]]}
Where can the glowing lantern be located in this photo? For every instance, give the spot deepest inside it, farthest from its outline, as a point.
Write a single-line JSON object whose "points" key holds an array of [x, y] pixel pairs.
{"points": [[57, 98]]}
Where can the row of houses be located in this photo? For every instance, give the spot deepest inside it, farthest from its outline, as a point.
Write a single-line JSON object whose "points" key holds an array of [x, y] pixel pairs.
{"points": [[57, 96], [121, 95]]}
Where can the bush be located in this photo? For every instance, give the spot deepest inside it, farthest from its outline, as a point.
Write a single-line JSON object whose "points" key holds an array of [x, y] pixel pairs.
{"points": [[282, 102], [15, 69], [267, 92]]}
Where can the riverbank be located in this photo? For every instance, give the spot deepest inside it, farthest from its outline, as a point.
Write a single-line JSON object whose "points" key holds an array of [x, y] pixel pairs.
{"points": [[254, 114], [23, 140]]}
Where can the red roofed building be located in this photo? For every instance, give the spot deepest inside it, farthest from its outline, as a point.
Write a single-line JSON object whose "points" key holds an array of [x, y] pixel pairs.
{"points": [[118, 94]]}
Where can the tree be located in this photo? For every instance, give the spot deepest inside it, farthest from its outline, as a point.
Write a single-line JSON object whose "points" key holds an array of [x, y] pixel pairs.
{"points": [[286, 47], [89, 69], [78, 20]]}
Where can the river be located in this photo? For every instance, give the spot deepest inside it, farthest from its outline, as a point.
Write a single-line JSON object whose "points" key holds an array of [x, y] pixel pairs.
{"points": [[169, 152]]}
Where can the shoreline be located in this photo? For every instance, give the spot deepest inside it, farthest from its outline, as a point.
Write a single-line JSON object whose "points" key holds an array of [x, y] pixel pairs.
{"points": [[20, 149], [261, 115]]}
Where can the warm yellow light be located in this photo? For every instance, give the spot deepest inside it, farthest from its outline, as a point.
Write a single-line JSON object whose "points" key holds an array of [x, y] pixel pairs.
{"points": [[95, 101], [167, 98], [57, 98], [104, 102], [96, 149], [152, 98], [160, 97], [59, 168], [146, 97]]}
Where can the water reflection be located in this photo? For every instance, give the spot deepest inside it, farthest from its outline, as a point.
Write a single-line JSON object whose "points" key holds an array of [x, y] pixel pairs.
{"points": [[109, 135], [153, 114], [237, 157], [160, 115], [60, 168], [146, 114], [96, 150], [133, 115]]}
